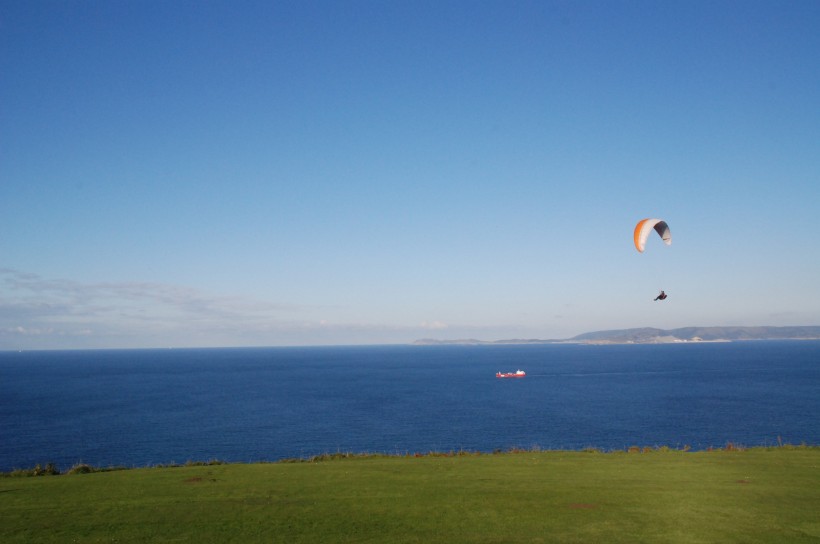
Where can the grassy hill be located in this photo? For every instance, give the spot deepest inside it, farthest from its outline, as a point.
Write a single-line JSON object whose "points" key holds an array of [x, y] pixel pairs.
{"points": [[757, 495]]}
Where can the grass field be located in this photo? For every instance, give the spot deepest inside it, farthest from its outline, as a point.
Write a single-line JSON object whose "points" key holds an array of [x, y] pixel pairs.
{"points": [[756, 495]]}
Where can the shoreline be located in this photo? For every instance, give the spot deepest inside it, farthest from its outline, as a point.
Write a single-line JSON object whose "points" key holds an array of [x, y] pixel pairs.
{"points": [[49, 469]]}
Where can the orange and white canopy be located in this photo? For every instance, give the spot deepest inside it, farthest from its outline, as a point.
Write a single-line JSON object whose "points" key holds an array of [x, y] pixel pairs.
{"points": [[643, 228]]}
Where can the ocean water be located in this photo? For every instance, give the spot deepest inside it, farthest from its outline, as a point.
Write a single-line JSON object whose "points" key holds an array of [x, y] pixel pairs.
{"points": [[145, 407]]}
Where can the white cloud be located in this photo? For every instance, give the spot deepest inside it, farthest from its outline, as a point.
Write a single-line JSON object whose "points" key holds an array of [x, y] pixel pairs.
{"points": [[433, 325], [29, 331], [127, 312], [42, 313]]}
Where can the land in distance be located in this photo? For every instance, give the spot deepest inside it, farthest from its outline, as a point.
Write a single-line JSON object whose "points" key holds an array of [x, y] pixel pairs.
{"points": [[650, 335]]}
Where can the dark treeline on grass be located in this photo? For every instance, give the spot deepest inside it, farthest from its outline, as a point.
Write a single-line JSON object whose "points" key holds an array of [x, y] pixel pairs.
{"points": [[49, 469]]}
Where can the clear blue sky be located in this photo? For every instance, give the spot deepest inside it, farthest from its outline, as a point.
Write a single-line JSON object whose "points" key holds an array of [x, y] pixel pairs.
{"points": [[288, 173]]}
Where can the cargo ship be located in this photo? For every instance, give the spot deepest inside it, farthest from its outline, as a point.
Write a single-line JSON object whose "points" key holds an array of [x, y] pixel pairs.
{"points": [[516, 374]]}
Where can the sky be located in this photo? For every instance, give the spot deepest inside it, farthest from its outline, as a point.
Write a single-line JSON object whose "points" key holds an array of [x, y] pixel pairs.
{"points": [[242, 173]]}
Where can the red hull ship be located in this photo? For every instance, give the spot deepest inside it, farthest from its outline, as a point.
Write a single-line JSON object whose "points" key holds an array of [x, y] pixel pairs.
{"points": [[516, 374]]}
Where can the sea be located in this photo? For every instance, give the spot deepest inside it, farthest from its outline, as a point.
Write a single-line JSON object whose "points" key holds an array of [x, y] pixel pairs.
{"points": [[137, 408]]}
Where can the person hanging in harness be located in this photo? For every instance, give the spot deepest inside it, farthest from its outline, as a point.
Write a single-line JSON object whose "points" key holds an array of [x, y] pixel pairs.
{"points": [[662, 296]]}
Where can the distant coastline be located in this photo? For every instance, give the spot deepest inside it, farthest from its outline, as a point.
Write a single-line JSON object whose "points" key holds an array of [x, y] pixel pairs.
{"points": [[650, 335]]}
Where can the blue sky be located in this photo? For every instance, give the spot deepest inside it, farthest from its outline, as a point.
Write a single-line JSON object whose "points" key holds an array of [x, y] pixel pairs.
{"points": [[298, 173]]}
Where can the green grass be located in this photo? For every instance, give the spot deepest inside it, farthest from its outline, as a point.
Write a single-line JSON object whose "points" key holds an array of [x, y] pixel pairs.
{"points": [[756, 495]]}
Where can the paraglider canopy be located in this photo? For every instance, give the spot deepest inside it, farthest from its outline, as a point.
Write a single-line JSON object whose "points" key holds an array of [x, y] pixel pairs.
{"points": [[643, 228]]}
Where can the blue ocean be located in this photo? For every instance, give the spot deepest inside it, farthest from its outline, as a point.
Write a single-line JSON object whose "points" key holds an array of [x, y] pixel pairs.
{"points": [[147, 407]]}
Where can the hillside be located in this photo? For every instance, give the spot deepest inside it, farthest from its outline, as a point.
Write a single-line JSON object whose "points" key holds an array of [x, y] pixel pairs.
{"points": [[637, 495], [650, 335]]}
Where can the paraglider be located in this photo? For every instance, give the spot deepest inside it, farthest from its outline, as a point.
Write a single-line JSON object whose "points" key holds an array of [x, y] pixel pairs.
{"points": [[643, 228], [642, 231], [662, 296]]}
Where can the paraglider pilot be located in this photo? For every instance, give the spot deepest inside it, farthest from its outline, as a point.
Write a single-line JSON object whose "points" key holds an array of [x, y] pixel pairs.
{"points": [[662, 296]]}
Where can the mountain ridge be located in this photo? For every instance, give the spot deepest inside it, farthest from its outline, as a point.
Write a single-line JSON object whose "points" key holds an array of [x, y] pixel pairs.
{"points": [[652, 335]]}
